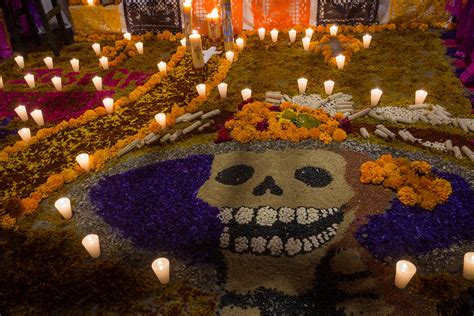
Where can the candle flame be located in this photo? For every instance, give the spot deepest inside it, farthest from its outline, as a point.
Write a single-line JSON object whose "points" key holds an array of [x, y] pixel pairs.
{"points": [[195, 32]]}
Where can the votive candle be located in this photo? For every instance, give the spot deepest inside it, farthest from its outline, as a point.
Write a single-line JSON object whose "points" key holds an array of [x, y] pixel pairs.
{"points": [[139, 46], [246, 94], [240, 43], [340, 59], [83, 161], [97, 81], [309, 32], [63, 205], [108, 104], [21, 112], [75, 64], [222, 89], [367, 38], [1, 82], [302, 84], [20, 61], [420, 96], [25, 134], [104, 62], [37, 116], [274, 35], [161, 119], [333, 30], [48, 61], [96, 48], [162, 66], [405, 270], [328, 86], [468, 268], [292, 35], [92, 245], [306, 41], [183, 41], [127, 36], [201, 89], [261, 33], [161, 267], [375, 95], [57, 82], [230, 56], [30, 80]]}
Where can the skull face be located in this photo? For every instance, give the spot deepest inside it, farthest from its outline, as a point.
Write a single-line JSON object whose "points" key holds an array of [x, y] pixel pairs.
{"points": [[278, 208]]}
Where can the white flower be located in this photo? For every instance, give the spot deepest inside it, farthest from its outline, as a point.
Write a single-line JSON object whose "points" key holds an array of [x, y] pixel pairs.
{"points": [[244, 215], [313, 215], [258, 244], [315, 241], [275, 245], [307, 246], [287, 214], [225, 215], [301, 216], [266, 216], [241, 244], [224, 240], [293, 246]]}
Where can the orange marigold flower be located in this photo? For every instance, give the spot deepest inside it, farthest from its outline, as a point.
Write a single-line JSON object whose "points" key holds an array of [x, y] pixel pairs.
{"points": [[407, 196], [422, 167], [55, 182], [339, 135], [69, 175]]}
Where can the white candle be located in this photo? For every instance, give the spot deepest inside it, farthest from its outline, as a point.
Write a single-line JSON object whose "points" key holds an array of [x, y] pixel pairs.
{"points": [[1, 82], [366, 39], [230, 56], [21, 111], [48, 61], [183, 42], [420, 96], [108, 104], [92, 245], [302, 83], [25, 134], [97, 83], [468, 269], [274, 34], [404, 272], [161, 119], [328, 86], [246, 94], [240, 43], [83, 161], [127, 36], [96, 48], [57, 82], [75, 64], [90, 2], [196, 50], [104, 62], [161, 267], [20, 61], [222, 89], [309, 32], [261, 33], [201, 89], [375, 95], [37, 116], [333, 30], [139, 46], [292, 35], [30, 80], [306, 41], [63, 205], [340, 59], [162, 66]]}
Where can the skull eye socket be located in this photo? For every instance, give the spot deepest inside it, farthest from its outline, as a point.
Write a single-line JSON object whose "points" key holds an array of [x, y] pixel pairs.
{"points": [[235, 175], [313, 177]]}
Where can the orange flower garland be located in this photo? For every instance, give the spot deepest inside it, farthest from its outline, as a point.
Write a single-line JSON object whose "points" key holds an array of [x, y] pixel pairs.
{"points": [[349, 43], [414, 181]]}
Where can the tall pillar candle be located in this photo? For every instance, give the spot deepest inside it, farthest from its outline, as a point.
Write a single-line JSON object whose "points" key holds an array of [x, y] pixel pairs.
{"points": [[306, 41], [227, 32], [196, 50], [375, 95], [104, 62], [188, 21], [261, 33], [83, 161], [222, 89], [340, 60], [213, 25], [96, 48], [328, 86], [57, 82], [63, 205], [366, 40], [25, 134], [161, 267], [21, 112], [292, 35], [246, 94], [97, 81], [48, 61], [30, 80], [302, 84], [274, 35], [405, 270], [108, 104], [230, 56], [37, 116], [75, 64], [92, 245], [420, 96], [468, 268], [20, 61]]}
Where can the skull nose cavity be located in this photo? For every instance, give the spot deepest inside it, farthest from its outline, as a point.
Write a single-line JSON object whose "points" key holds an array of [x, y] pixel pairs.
{"points": [[267, 184]]}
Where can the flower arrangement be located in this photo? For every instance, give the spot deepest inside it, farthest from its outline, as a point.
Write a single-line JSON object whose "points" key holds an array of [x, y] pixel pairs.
{"points": [[413, 181], [262, 121], [349, 43]]}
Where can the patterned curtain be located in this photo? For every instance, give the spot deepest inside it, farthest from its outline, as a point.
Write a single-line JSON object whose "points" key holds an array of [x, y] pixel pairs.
{"points": [[347, 11], [280, 13], [152, 15]]}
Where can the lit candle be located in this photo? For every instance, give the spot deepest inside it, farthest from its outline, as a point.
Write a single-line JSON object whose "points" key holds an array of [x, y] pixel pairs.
{"points": [[274, 34], [161, 119], [201, 89], [91, 243], [30, 80], [246, 94], [309, 32], [375, 95], [468, 269], [333, 30], [63, 205], [57, 82], [75, 64], [83, 161], [328, 86], [1, 82], [292, 35], [222, 89], [404, 272], [196, 50], [48, 61], [139, 46], [108, 104], [306, 41], [183, 41], [162, 66], [420, 96], [230, 56], [187, 19], [90, 2], [261, 33], [340, 59], [302, 83], [20, 61], [21, 111], [104, 62], [127, 36], [213, 24], [240, 43], [25, 134], [161, 267], [366, 39], [97, 81], [96, 48], [37, 115]]}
